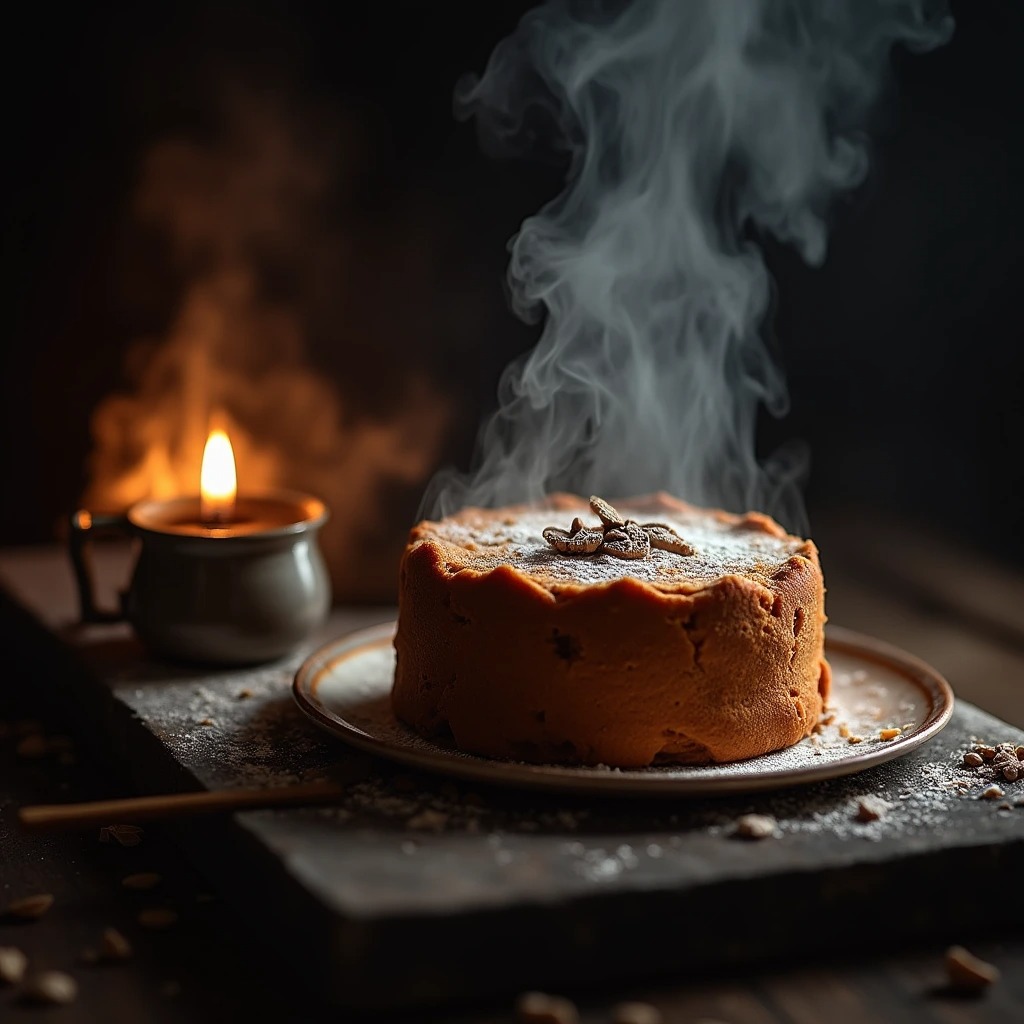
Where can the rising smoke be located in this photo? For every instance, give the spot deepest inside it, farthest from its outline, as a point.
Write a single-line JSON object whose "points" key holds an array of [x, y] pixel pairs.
{"points": [[691, 128]]}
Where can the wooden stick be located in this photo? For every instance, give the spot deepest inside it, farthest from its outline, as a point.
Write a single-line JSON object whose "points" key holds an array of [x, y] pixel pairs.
{"points": [[174, 805]]}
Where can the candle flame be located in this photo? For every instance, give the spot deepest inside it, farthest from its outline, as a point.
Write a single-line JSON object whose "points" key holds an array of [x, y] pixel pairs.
{"points": [[217, 481]]}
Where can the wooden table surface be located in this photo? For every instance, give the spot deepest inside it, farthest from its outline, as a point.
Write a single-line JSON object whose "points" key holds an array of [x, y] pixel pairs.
{"points": [[940, 601]]}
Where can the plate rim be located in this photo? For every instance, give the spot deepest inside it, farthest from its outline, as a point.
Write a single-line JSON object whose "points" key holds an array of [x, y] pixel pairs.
{"points": [[586, 780]]}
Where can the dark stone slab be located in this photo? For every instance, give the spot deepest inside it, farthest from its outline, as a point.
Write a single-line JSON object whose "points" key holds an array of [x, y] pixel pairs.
{"points": [[416, 889]]}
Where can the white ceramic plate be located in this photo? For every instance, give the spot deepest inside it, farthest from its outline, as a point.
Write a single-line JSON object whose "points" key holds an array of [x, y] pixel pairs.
{"points": [[345, 687]]}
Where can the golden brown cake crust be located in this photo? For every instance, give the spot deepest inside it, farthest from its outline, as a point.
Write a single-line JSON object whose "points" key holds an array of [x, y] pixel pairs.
{"points": [[529, 654]]}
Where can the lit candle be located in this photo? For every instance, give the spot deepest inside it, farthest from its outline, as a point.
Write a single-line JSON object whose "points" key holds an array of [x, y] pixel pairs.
{"points": [[217, 480]]}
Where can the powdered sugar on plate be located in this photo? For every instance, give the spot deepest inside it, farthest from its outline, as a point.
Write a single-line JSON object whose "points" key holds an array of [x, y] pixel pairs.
{"points": [[346, 688]]}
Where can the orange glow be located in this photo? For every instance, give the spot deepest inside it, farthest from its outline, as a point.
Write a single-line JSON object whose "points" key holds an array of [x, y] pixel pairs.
{"points": [[217, 481]]}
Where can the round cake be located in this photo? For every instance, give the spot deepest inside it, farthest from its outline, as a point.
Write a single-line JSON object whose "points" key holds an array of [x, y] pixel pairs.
{"points": [[579, 632]]}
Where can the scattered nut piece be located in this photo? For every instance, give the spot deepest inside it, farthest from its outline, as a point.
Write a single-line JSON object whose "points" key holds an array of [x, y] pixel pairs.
{"points": [[539, 1008], [889, 734], [992, 792], [207, 721], [1020, 753], [986, 752], [871, 808], [13, 964], [405, 783], [157, 917], [972, 760], [855, 739], [126, 835], [33, 745], [244, 694], [966, 972], [54, 988], [636, 1013], [31, 907], [1011, 773], [428, 819], [844, 730], [755, 826], [142, 880], [114, 946]]}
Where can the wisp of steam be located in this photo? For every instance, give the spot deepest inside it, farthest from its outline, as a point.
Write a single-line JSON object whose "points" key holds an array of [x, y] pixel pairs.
{"points": [[691, 128]]}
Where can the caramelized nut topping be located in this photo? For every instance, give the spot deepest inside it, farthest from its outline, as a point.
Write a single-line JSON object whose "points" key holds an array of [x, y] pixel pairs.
{"points": [[623, 538], [608, 514]]}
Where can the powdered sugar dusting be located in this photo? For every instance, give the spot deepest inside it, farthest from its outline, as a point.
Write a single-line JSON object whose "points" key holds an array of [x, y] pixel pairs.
{"points": [[395, 826], [722, 546]]}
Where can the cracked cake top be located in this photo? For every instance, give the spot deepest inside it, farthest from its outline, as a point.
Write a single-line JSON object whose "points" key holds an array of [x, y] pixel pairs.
{"points": [[530, 538]]}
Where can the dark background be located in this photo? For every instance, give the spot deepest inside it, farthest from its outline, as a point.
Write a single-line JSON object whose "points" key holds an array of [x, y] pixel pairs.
{"points": [[903, 352]]}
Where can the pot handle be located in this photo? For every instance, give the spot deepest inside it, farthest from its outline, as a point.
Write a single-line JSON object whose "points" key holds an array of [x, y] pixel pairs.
{"points": [[84, 526]]}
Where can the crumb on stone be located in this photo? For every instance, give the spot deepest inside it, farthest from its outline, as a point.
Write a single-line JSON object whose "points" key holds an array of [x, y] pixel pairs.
{"points": [[755, 826], [889, 734], [29, 908], [636, 1013], [13, 964], [33, 745], [966, 973], [157, 917], [114, 946], [992, 792], [141, 880], [540, 1008], [428, 819], [125, 835], [871, 808], [53, 988]]}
